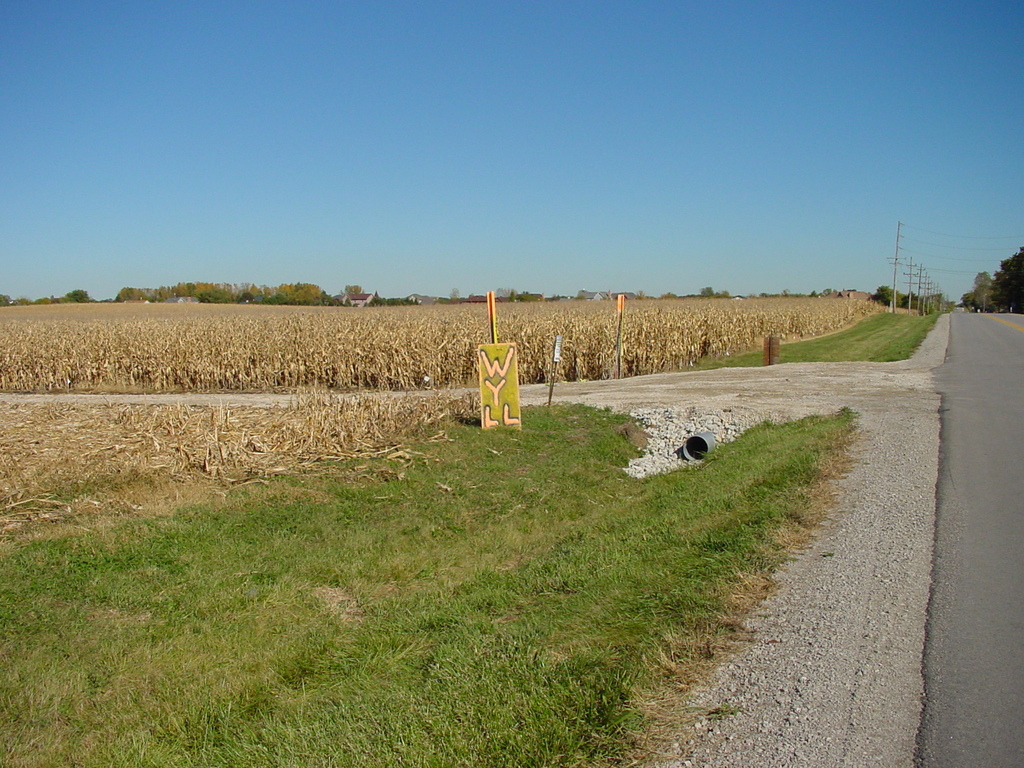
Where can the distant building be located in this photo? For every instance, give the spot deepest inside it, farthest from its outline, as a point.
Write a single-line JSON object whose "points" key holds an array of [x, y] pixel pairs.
{"points": [[182, 300], [849, 294], [419, 298], [356, 299]]}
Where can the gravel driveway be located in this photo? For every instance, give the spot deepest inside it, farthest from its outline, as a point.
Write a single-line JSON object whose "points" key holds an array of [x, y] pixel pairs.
{"points": [[833, 675]]}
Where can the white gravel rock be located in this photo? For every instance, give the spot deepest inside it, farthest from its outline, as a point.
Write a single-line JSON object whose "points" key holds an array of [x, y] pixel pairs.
{"points": [[669, 428]]}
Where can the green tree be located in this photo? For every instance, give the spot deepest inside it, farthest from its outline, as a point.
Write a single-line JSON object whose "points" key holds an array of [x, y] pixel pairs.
{"points": [[883, 295], [1008, 284], [132, 294], [352, 289], [77, 296], [4, 300], [215, 295], [979, 298], [307, 294]]}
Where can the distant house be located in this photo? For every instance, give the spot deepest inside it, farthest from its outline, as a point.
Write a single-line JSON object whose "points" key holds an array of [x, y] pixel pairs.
{"points": [[592, 295], [629, 296], [357, 299], [419, 298], [849, 294], [182, 300]]}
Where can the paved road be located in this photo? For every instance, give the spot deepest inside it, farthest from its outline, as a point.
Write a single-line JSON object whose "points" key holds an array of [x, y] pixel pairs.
{"points": [[974, 651]]}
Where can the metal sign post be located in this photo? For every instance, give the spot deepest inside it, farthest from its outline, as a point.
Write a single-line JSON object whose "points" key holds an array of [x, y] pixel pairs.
{"points": [[556, 358]]}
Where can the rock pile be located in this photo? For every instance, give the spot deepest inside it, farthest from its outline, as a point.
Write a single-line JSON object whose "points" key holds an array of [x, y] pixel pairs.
{"points": [[668, 428]]}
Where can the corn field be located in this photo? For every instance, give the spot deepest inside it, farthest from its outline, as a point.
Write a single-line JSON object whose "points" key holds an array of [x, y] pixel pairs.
{"points": [[210, 348]]}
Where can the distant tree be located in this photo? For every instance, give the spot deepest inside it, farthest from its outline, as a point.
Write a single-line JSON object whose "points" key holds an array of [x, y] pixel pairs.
{"points": [[352, 289], [5, 300], [308, 294], [883, 295], [132, 294], [707, 292], [983, 286], [77, 296], [1008, 284], [668, 295], [215, 295], [455, 295], [979, 298]]}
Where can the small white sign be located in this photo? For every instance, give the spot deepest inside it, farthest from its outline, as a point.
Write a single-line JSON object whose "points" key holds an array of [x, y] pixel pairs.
{"points": [[558, 350]]}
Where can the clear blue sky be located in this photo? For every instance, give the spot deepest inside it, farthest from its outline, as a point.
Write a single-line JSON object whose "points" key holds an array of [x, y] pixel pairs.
{"points": [[546, 146]]}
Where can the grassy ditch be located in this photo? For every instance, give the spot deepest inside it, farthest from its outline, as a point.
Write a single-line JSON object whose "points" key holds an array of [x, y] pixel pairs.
{"points": [[880, 338], [493, 599]]}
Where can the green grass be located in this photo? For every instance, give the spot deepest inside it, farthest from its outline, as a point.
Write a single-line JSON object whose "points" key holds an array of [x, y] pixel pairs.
{"points": [[879, 338], [499, 599]]}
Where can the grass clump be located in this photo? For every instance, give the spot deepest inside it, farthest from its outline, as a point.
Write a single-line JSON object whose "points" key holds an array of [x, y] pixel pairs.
{"points": [[497, 599]]}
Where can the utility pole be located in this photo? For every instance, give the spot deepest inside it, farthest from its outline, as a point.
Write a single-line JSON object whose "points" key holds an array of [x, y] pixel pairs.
{"points": [[895, 265], [909, 274], [920, 275]]}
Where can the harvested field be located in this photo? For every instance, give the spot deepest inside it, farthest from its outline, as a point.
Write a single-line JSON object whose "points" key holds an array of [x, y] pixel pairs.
{"points": [[57, 459], [216, 348]]}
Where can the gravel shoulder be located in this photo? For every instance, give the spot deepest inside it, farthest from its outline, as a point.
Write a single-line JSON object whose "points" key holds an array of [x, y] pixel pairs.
{"points": [[832, 676]]}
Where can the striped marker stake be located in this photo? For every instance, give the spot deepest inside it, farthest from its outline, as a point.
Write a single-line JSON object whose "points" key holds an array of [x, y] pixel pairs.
{"points": [[620, 305], [492, 317]]}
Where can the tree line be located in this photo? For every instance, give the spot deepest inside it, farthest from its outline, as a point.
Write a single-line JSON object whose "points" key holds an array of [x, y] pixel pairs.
{"points": [[304, 294], [307, 294], [1003, 291]]}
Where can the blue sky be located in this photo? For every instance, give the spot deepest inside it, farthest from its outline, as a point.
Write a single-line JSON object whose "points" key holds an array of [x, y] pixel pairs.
{"points": [[545, 146]]}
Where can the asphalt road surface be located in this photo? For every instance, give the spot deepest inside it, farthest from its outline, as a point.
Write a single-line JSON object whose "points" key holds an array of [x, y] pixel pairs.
{"points": [[974, 648]]}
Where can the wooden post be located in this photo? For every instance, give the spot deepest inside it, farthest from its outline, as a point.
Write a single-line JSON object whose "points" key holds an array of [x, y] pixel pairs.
{"points": [[771, 350]]}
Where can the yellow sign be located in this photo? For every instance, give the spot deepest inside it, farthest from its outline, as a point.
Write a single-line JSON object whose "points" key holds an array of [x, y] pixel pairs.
{"points": [[499, 385]]}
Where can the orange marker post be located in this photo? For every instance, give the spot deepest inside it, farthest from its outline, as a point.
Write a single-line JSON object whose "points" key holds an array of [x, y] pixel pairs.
{"points": [[620, 305], [492, 317]]}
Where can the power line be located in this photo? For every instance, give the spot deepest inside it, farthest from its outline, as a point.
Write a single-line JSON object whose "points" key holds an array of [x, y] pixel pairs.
{"points": [[954, 272], [955, 247], [967, 237], [946, 258]]}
